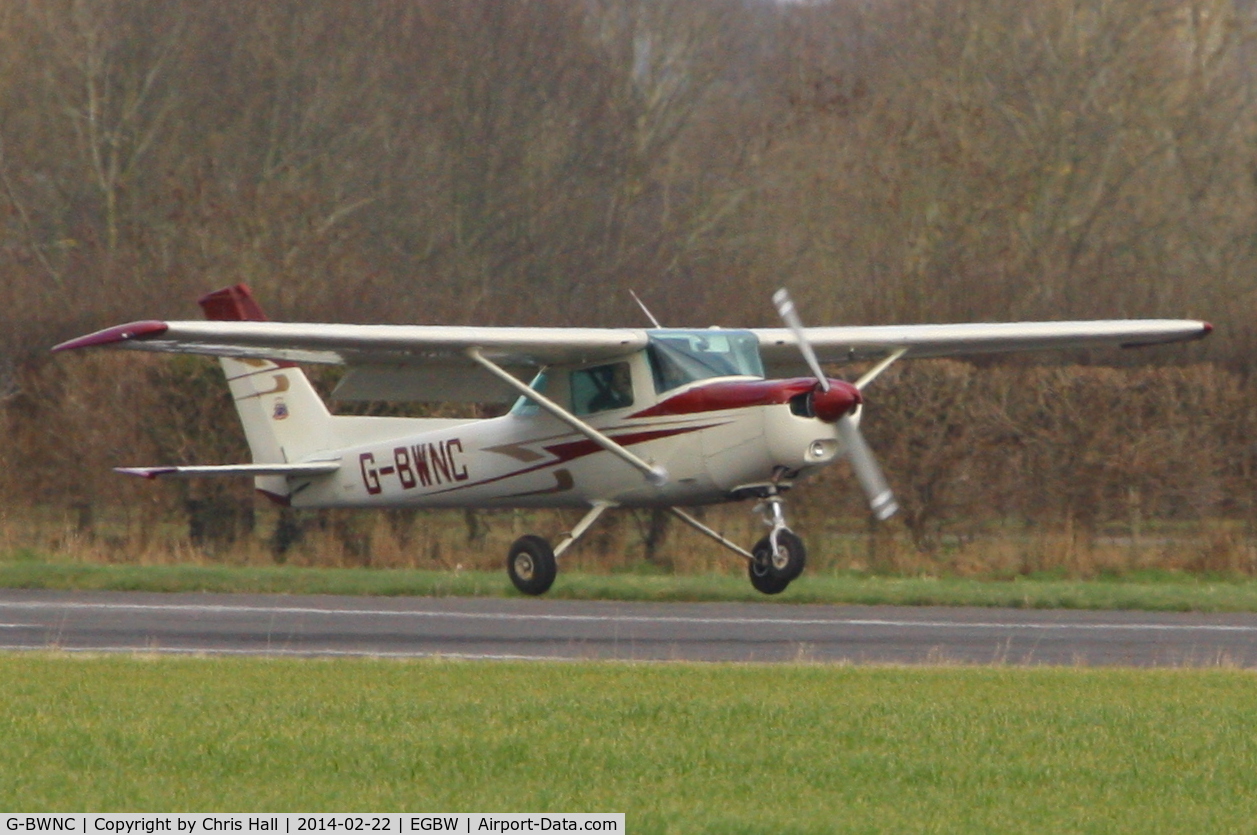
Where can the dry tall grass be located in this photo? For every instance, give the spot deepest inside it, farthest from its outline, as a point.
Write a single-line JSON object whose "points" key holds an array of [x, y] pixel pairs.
{"points": [[1001, 471]]}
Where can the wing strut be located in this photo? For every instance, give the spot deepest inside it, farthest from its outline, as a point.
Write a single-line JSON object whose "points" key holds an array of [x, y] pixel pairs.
{"points": [[876, 371], [655, 474]]}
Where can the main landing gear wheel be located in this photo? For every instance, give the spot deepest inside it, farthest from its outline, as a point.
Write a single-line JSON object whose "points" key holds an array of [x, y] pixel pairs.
{"points": [[531, 565], [788, 562]]}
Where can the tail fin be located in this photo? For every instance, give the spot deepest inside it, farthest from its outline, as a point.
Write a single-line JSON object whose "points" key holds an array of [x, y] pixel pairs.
{"points": [[284, 418]]}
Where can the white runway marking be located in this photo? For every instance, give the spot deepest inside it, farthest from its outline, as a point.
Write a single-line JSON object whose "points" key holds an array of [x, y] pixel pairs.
{"points": [[672, 619], [295, 653]]}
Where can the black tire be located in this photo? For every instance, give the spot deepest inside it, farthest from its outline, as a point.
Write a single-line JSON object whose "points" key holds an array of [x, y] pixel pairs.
{"points": [[531, 565], [791, 557], [763, 579]]}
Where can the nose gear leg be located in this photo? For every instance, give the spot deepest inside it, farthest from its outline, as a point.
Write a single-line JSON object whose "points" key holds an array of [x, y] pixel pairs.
{"points": [[774, 513]]}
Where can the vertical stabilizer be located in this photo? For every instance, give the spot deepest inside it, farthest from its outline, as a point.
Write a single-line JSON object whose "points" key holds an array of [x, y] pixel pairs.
{"points": [[284, 418]]}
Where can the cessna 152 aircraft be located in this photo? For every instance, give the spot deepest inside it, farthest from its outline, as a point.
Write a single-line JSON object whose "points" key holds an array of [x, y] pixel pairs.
{"points": [[658, 417]]}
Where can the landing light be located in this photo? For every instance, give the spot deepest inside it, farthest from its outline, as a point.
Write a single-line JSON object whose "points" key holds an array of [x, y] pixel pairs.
{"points": [[822, 449]]}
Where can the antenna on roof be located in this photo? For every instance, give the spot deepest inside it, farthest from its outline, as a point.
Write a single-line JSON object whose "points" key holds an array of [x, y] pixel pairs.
{"points": [[645, 310]]}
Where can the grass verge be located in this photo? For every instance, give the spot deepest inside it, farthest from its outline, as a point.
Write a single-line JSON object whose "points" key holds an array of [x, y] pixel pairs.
{"points": [[678, 747], [1152, 592]]}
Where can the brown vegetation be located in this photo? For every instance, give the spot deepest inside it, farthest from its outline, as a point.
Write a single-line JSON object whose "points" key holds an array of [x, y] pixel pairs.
{"points": [[529, 162]]}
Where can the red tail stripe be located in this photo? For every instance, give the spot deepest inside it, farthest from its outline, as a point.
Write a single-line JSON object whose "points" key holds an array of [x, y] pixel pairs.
{"points": [[232, 304]]}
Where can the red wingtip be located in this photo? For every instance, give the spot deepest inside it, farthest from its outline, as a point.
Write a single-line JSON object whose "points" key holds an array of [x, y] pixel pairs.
{"points": [[115, 335], [232, 304]]}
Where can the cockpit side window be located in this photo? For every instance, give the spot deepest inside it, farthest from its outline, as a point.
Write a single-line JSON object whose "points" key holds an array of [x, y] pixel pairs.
{"points": [[601, 388], [680, 357]]}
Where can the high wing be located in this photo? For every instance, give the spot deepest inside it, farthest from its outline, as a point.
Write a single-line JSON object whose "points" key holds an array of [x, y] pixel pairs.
{"points": [[431, 362], [780, 348], [368, 344], [387, 362]]}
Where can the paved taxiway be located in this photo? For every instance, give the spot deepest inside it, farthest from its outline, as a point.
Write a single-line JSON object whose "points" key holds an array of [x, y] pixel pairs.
{"points": [[560, 629]]}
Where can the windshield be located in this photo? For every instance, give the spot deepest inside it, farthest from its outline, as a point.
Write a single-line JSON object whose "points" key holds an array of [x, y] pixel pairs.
{"points": [[680, 357]]}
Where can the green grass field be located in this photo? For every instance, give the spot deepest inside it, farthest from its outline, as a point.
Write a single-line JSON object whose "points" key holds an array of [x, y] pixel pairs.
{"points": [[680, 748], [1163, 591]]}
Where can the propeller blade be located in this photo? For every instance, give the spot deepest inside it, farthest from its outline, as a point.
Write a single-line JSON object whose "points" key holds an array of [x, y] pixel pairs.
{"points": [[790, 315], [867, 472]]}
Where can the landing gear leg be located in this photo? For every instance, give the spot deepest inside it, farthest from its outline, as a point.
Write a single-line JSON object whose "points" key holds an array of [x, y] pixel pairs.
{"points": [[532, 564], [776, 559]]}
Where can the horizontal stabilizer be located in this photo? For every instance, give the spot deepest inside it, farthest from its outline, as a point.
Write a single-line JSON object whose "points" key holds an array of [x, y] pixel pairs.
{"points": [[307, 469]]}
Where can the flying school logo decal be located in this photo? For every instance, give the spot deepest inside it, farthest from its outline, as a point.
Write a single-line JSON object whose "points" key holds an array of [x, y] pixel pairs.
{"points": [[281, 410]]}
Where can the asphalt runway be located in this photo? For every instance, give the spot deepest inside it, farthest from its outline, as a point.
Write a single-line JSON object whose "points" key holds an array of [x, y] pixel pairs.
{"points": [[544, 629]]}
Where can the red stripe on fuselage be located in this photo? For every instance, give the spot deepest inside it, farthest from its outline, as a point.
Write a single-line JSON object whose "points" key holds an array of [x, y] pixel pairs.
{"points": [[572, 450], [730, 394]]}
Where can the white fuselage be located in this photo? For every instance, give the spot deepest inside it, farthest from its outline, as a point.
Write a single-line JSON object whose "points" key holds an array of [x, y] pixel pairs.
{"points": [[710, 452]]}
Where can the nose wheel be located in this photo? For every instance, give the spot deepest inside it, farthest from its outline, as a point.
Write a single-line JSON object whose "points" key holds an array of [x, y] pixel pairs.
{"points": [[762, 578], [785, 561]]}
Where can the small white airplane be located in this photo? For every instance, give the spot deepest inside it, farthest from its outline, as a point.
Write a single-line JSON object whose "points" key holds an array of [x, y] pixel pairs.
{"points": [[658, 417]]}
